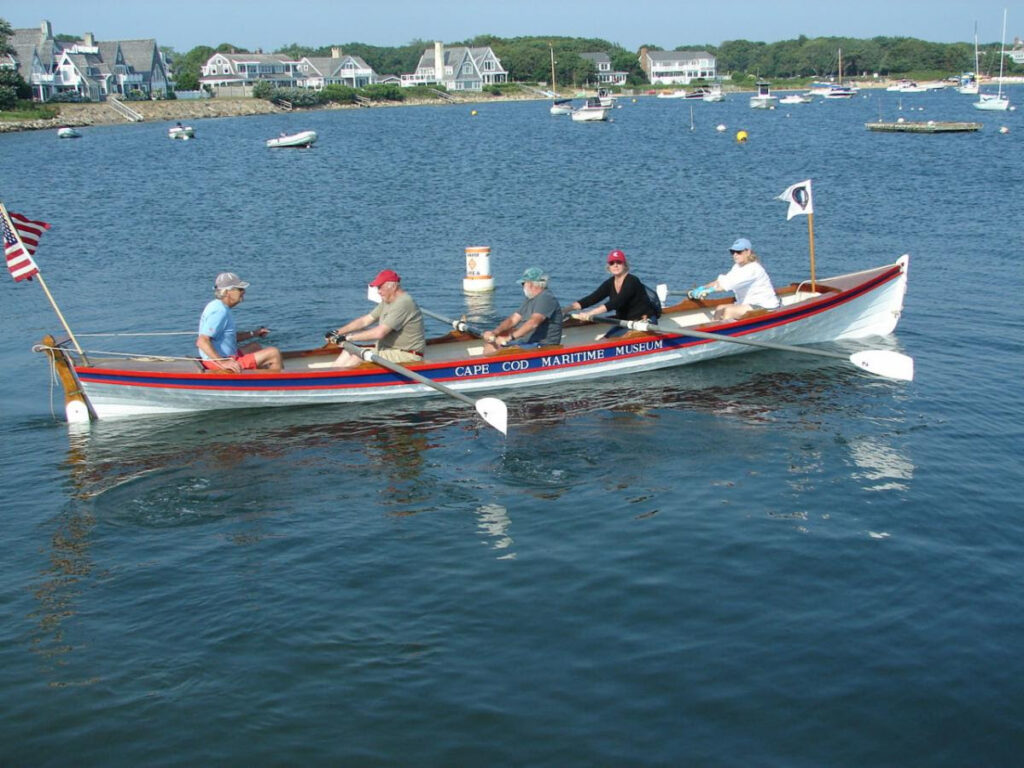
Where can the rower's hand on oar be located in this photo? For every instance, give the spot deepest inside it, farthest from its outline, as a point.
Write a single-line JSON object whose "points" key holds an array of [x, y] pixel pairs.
{"points": [[333, 337], [699, 292]]}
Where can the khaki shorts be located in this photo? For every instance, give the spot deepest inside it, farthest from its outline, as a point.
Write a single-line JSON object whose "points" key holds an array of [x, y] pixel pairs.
{"points": [[399, 356]]}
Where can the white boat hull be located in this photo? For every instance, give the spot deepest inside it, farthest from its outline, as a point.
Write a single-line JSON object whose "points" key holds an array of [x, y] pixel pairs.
{"points": [[853, 306], [590, 114], [990, 103], [301, 139]]}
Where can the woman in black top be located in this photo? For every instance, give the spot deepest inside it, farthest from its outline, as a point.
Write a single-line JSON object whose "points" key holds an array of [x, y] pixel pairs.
{"points": [[622, 292]]}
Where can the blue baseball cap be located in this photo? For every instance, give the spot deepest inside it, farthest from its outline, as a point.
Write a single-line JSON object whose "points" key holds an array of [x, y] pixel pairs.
{"points": [[740, 245], [533, 275]]}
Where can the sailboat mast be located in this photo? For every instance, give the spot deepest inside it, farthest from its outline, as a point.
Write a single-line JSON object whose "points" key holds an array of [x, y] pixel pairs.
{"points": [[1002, 55], [552, 49]]}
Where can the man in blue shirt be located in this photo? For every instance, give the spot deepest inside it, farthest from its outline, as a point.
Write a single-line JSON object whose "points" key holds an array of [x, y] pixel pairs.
{"points": [[218, 337]]}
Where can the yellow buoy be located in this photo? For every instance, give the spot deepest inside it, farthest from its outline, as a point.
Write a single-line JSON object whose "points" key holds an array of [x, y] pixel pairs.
{"points": [[741, 135], [473, 112]]}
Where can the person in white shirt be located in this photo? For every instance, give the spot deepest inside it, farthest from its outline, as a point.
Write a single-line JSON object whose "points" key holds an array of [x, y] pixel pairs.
{"points": [[747, 279]]}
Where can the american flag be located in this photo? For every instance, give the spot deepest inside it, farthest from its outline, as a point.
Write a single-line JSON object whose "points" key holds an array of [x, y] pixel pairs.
{"points": [[20, 245]]}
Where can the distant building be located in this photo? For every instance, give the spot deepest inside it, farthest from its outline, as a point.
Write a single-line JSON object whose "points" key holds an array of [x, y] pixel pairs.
{"points": [[247, 69], [89, 69], [603, 64], [457, 68], [338, 69], [224, 71], [677, 67]]}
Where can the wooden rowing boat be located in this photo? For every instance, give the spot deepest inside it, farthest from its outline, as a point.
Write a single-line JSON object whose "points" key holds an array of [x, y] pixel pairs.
{"points": [[851, 306]]}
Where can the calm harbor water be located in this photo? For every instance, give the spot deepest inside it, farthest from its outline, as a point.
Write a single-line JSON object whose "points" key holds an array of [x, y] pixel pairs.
{"points": [[768, 560]]}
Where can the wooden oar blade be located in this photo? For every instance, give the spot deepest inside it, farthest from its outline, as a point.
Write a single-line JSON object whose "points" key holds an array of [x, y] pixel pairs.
{"points": [[882, 362], [494, 412]]}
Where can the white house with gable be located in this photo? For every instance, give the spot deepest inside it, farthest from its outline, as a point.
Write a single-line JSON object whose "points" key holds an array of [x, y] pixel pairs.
{"points": [[457, 68], [677, 67]]}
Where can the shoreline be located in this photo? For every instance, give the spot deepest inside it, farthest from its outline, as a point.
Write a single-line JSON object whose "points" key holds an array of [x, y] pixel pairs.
{"points": [[101, 113]]}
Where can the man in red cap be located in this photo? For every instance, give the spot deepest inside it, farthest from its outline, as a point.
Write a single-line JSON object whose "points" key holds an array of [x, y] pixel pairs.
{"points": [[398, 330]]}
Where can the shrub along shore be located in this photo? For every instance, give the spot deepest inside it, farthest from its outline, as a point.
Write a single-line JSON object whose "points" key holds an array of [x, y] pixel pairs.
{"points": [[100, 113]]}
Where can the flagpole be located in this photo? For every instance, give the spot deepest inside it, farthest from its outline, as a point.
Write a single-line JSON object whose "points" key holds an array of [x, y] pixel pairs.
{"points": [[42, 284], [810, 235]]}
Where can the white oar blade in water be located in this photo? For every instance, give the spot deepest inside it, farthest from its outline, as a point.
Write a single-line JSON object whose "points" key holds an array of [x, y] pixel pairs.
{"points": [[882, 362], [494, 412]]}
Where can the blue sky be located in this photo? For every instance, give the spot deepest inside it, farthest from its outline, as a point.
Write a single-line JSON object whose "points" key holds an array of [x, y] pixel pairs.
{"points": [[184, 24]]}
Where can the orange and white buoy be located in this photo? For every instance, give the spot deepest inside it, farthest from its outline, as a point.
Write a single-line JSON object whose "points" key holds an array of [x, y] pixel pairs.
{"points": [[478, 270]]}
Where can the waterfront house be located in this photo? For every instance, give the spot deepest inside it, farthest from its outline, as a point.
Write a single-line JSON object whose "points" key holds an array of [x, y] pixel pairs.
{"points": [[244, 70], [457, 68], [603, 64], [337, 69], [677, 67], [34, 54], [87, 68]]}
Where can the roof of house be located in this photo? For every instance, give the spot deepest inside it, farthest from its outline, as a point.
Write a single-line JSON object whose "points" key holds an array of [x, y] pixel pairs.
{"points": [[455, 54], [668, 56], [25, 41], [329, 65], [598, 57]]}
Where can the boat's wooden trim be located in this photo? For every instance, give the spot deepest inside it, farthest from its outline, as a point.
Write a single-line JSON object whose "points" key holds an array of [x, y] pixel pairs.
{"points": [[74, 395]]}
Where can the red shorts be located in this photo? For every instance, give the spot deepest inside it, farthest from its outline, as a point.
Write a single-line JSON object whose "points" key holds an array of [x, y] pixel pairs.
{"points": [[247, 362]]}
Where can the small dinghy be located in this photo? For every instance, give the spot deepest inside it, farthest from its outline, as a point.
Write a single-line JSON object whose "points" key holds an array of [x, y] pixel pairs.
{"points": [[180, 131], [301, 139], [67, 133]]}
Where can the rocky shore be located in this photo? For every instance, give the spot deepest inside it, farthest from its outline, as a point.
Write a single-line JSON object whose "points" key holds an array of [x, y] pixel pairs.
{"points": [[187, 110]]}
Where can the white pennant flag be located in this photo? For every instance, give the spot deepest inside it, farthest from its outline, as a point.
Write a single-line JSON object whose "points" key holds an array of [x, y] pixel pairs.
{"points": [[799, 198]]}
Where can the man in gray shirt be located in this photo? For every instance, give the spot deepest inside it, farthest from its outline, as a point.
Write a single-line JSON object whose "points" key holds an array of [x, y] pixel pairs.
{"points": [[537, 323]]}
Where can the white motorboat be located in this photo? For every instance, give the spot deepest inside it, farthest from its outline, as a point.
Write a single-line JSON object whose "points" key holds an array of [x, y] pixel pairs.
{"points": [[796, 98], [713, 93], [906, 86], [180, 131], [300, 139], [672, 95], [591, 112], [837, 91], [764, 98], [67, 132], [562, 107]]}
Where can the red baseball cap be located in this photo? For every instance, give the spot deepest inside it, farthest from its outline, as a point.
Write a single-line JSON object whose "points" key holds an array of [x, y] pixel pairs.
{"points": [[385, 276], [616, 257]]}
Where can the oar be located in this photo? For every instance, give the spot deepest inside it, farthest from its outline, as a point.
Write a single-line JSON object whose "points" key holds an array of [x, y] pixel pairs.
{"points": [[880, 362], [493, 410], [458, 325], [372, 294]]}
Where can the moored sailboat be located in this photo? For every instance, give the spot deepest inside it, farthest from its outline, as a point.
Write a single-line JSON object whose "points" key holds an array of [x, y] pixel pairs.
{"points": [[996, 102]]}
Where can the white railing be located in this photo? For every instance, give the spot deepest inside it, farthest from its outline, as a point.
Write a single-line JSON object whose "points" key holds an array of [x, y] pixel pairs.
{"points": [[124, 110]]}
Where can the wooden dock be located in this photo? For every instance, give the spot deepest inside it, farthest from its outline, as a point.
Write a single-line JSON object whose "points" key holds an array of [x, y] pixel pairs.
{"points": [[932, 126]]}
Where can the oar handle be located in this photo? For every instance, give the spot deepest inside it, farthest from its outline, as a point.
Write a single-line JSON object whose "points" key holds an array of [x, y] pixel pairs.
{"points": [[458, 325]]}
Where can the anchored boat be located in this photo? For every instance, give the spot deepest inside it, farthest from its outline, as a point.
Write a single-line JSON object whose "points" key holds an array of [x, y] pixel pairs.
{"points": [[300, 139]]}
